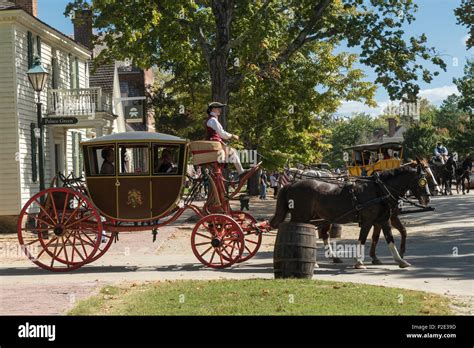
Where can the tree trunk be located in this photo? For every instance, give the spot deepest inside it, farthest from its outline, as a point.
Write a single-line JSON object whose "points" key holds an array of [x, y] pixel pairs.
{"points": [[220, 83]]}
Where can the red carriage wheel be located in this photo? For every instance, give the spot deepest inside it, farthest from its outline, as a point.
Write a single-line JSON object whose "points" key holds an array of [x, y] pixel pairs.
{"points": [[59, 229], [107, 240], [252, 236], [217, 241]]}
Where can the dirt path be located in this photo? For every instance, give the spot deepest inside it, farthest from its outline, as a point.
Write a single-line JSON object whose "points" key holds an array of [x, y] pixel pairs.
{"points": [[440, 247]]}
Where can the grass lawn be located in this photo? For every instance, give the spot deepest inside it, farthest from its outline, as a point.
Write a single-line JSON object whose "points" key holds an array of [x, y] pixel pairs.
{"points": [[260, 297]]}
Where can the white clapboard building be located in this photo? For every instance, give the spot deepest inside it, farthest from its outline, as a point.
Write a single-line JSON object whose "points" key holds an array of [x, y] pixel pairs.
{"points": [[69, 92]]}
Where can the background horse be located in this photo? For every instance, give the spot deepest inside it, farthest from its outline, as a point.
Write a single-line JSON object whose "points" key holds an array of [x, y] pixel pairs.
{"points": [[444, 173], [463, 173], [368, 201]]}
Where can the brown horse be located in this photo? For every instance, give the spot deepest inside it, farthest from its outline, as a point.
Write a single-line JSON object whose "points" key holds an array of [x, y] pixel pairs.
{"points": [[369, 201], [419, 191]]}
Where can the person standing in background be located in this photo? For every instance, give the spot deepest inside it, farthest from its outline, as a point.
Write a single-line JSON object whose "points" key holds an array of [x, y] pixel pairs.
{"points": [[274, 184], [263, 185]]}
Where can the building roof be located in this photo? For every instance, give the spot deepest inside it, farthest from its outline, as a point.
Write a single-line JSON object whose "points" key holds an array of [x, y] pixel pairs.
{"points": [[375, 146], [136, 136], [102, 76], [9, 5]]}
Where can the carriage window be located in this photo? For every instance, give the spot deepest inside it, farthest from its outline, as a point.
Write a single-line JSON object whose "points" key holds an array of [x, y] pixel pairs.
{"points": [[134, 160], [101, 160], [165, 159]]}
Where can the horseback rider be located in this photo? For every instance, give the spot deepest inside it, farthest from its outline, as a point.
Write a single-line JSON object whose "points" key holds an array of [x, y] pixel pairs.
{"points": [[441, 153], [215, 132]]}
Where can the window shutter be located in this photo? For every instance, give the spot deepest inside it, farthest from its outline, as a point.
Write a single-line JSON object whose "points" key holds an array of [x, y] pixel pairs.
{"points": [[38, 46], [74, 153], [34, 170], [79, 150], [71, 77], [76, 68], [30, 49]]}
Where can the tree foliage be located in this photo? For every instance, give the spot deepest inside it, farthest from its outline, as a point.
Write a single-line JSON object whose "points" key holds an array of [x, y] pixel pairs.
{"points": [[273, 61], [465, 16]]}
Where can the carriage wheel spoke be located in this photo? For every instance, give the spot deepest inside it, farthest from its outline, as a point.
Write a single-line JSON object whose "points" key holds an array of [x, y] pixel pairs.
{"points": [[207, 250], [43, 221], [66, 201], [54, 208], [54, 252], [212, 256], [33, 242], [78, 221], [65, 251], [204, 243], [203, 235], [250, 241], [246, 247], [46, 246], [74, 249], [220, 256], [85, 234], [72, 214], [44, 211], [84, 241]]}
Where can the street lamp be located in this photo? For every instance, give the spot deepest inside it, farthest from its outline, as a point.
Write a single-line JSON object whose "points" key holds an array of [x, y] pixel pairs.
{"points": [[38, 76]]}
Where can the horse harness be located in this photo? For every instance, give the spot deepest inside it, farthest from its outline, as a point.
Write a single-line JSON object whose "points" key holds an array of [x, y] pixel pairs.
{"points": [[358, 206]]}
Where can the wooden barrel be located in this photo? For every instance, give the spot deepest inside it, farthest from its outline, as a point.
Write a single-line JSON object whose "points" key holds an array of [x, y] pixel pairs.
{"points": [[335, 231], [294, 255]]}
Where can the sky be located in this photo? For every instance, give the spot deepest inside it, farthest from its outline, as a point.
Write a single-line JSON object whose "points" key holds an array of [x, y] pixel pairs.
{"points": [[435, 18]]}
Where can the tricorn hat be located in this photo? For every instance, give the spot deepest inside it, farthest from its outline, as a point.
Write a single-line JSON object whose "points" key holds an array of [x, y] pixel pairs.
{"points": [[216, 105]]}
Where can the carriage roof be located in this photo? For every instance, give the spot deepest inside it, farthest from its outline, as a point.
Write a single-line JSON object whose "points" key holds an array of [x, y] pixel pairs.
{"points": [[136, 136], [375, 146]]}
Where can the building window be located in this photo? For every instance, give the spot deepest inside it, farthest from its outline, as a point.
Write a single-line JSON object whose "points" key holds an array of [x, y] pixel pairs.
{"points": [[76, 154], [73, 72]]}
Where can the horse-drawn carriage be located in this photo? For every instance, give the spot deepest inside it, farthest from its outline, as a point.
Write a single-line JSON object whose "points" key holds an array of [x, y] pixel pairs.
{"points": [[135, 182], [369, 158]]}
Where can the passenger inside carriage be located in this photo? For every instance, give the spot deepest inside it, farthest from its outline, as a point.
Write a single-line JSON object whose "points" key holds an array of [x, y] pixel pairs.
{"points": [[108, 155], [165, 160]]}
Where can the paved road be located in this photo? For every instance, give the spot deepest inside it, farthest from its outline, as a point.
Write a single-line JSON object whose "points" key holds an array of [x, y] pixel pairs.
{"points": [[440, 248]]}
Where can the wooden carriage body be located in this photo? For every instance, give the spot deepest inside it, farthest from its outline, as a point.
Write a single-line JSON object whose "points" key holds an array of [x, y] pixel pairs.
{"points": [[138, 185]]}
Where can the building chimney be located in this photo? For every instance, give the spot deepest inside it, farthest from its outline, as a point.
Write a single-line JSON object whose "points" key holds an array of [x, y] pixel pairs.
{"points": [[378, 133], [30, 6], [83, 28], [392, 126]]}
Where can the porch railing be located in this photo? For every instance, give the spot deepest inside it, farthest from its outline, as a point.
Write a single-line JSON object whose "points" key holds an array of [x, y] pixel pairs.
{"points": [[80, 101]]}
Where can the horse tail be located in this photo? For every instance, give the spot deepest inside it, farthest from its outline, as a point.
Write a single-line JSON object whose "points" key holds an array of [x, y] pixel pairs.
{"points": [[281, 207]]}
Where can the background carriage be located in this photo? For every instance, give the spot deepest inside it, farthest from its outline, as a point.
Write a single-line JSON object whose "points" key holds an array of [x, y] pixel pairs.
{"points": [[141, 187], [365, 159]]}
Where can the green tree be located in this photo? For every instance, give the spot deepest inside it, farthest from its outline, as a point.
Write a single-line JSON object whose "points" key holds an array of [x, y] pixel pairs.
{"points": [[218, 44], [348, 132], [419, 140], [465, 16]]}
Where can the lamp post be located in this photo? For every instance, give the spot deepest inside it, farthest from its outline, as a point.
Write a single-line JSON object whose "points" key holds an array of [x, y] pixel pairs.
{"points": [[38, 76]]}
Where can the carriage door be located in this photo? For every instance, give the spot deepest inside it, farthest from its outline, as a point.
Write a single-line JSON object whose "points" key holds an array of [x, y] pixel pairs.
{"points": [[134, 181]]}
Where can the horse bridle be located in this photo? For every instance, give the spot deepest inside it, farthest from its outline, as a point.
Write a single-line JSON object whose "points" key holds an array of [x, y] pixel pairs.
{"points": [[422, 183]]}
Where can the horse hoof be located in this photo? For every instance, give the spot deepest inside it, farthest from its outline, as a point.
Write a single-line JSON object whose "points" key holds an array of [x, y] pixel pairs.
{"points": [[360, 265], [337, 260], [404, 264], [376, 262], [316, 265]]}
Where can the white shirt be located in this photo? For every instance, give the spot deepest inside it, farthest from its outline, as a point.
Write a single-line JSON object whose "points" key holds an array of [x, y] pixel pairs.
{"points": [[214, 123], [273, 181]]}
